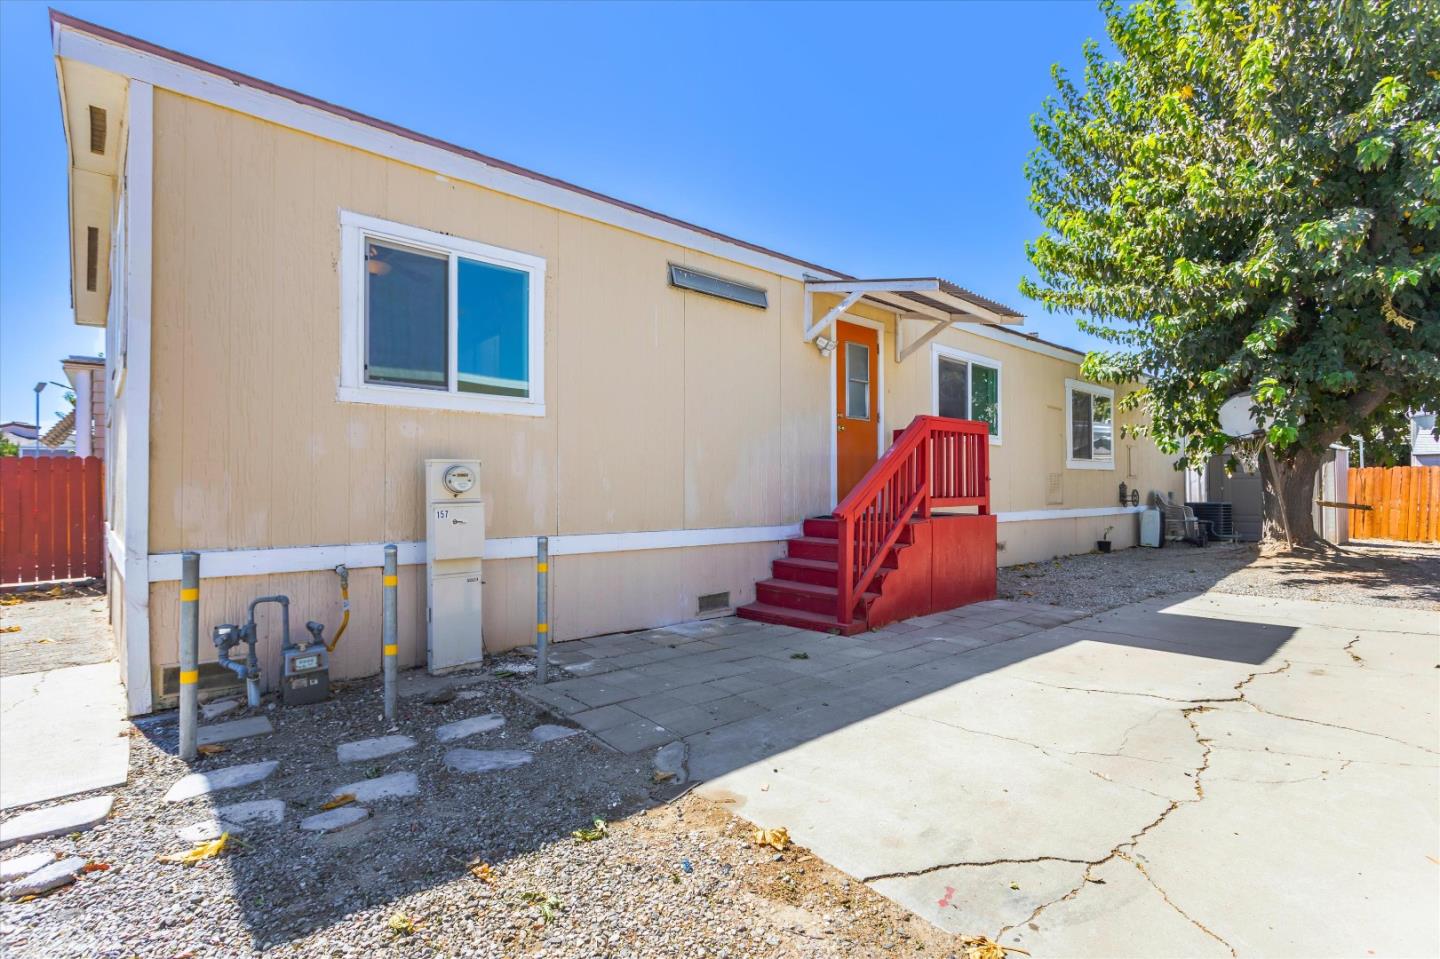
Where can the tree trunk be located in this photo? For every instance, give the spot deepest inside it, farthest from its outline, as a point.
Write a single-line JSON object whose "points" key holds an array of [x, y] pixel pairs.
{"points": [[1289, 499]]}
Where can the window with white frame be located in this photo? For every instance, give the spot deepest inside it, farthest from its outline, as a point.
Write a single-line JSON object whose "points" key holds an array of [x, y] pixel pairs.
{"points": [[966, 387], [438, 322], [1089, 426]]}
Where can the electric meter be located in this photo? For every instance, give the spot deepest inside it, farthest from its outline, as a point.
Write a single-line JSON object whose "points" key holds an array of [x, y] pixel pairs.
{"points": [[459, 479]]}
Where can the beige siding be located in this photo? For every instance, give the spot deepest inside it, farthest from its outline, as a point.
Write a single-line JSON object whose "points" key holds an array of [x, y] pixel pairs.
{"points": [[664, 408]]}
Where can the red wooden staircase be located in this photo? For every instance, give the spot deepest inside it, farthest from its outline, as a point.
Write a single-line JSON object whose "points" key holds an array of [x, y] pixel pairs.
{"points": [[882, 556]]}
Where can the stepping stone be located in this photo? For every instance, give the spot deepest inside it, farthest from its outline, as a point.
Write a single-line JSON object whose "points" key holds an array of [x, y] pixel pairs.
{"points": [[56, 874], [364, 749], [19, 866], [485, 760], [517, 669], [231, 777], [235, 818], [472, 694], [548, 733], [55, 821], [218, 708], [234, 729], [393, 786], [333, 820], [450, 732]]}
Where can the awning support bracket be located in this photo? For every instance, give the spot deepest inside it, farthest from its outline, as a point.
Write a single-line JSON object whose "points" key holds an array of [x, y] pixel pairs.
{"points": [[816, 329], [930, 334]]}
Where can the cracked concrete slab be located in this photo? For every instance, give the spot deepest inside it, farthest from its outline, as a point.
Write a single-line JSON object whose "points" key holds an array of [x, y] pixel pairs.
{"points": [[1185, 776], [63, 731]]}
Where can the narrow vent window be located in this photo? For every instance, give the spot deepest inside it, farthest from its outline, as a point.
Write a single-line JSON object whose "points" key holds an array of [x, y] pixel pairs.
{"points": [[92, 257], [687, 279], [97, 130], [710, 602]]}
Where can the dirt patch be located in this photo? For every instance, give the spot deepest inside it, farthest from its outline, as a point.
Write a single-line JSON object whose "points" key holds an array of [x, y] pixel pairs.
{"points": [[66, 626], [666, 876], [1371, 574]]}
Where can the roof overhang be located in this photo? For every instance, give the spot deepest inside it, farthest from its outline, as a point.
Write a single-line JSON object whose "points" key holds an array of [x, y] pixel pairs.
{"points": [[931, 297], [92, 104]]}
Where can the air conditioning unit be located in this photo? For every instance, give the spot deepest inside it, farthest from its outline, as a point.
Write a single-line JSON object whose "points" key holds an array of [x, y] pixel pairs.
{"points": [[454, 549]]}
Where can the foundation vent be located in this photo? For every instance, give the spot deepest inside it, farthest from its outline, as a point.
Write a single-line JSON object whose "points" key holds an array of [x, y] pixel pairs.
{"points": [[711, 602], [1054, 489], [92, 257], [98, 124], [213, 677]]}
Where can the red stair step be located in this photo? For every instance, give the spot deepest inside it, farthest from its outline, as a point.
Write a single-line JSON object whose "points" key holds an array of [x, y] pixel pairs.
{"points": [[779, 615], [813, 547], [807, 596], [821, 572]]}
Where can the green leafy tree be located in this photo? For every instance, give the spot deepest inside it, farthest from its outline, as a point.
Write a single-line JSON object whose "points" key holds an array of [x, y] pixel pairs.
{"points": [[1246, 200], [8, 448]]}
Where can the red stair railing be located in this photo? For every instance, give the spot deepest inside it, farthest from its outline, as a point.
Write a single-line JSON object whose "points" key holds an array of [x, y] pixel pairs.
{"points": [[935, 461]]}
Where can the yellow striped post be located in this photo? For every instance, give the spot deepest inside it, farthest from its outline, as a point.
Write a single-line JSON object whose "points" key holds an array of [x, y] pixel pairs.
{"points": [[189, 655], [542, 609], [389, 627]]}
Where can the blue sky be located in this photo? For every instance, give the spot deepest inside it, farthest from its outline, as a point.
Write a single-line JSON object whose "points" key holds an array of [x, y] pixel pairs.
{"points": [[883, 139]]}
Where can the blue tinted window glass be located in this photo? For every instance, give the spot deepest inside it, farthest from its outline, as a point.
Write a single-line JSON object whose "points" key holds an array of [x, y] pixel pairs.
{"points": [[406, 314], [493, 339]]}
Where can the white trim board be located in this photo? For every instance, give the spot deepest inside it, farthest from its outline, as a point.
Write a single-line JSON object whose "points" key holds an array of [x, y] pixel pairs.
{"points": [[1030, 515], [138, 199], [165, 567]]}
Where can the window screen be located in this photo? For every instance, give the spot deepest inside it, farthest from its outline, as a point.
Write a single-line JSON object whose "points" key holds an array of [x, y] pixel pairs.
{"points": [[406, 313], [1080, 445], [493, 330], [954, 389], [857, 381]]}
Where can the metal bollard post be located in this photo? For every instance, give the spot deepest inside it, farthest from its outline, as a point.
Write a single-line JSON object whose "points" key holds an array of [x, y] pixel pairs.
{"points": [[390, 647], [189, 654], [542, 609]]}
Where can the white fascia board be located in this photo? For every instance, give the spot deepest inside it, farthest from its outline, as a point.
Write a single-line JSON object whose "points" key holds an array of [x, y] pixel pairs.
{"points": [[202, 85], [221, 563], [1020, 341], [872, 286]]}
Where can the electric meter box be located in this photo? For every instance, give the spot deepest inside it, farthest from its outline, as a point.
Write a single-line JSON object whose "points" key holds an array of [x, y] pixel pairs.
{"points": [[454, 549]]}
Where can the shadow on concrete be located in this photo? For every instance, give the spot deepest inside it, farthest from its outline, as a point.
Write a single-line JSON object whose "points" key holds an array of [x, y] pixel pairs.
{"points": [[736, 691]]}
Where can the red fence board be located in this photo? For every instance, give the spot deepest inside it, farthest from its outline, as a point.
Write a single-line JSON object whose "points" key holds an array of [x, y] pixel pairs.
{"points": [[52, 523]]}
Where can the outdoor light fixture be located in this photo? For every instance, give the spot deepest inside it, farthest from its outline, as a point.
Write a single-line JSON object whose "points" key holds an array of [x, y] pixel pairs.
{"points": [[825, 345]]}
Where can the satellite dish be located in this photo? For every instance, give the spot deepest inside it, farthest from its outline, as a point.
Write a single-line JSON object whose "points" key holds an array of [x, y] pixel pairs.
{"points": [[1236, 417]]}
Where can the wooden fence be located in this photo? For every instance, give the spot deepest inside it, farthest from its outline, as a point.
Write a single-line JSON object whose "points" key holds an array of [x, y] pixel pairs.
{"points": [[1404, 503], [52, 526]]}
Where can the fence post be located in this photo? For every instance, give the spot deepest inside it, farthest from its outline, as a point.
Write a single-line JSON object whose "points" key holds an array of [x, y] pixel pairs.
{"points": [[389, 628], [542, 610], [189, 654]]}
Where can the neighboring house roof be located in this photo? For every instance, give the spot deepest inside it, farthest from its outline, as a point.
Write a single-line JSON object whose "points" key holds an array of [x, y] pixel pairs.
{"points": [[17, 428], [242, 79], [59, 434]]}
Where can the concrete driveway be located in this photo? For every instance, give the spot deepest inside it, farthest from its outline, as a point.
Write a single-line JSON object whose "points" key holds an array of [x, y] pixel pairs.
{"points": [[1221, 775]]}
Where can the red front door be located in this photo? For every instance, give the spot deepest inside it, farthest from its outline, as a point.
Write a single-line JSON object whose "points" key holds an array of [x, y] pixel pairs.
{"points": [[857, 399]]}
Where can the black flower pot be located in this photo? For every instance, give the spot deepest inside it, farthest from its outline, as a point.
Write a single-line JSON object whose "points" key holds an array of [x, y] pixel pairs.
{"points": [[1103, 545]]}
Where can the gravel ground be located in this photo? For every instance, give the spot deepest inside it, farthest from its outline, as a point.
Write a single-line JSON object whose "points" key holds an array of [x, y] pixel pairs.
{"points": [[1370, 573], [673, 875], [63, 626]]}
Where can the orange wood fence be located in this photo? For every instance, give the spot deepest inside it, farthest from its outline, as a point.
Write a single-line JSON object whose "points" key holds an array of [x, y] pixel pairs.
{"points": [[51, 519], [1404, 503]]}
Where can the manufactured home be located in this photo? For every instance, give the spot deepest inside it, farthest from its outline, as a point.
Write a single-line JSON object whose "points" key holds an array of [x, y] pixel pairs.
{"points": [[303, 305]]}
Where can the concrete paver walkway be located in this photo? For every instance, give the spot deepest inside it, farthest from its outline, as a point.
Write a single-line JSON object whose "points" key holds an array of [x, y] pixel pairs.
{"points": [[1209, 776]]}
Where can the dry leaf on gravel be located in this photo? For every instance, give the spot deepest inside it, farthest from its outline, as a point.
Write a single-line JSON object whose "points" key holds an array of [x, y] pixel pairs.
{"points": [[483, 872], [9, 629], [212, 749], [777, 838], [979, 947], [344, 799], [206, 850], [95, 867], [401, 924]]}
